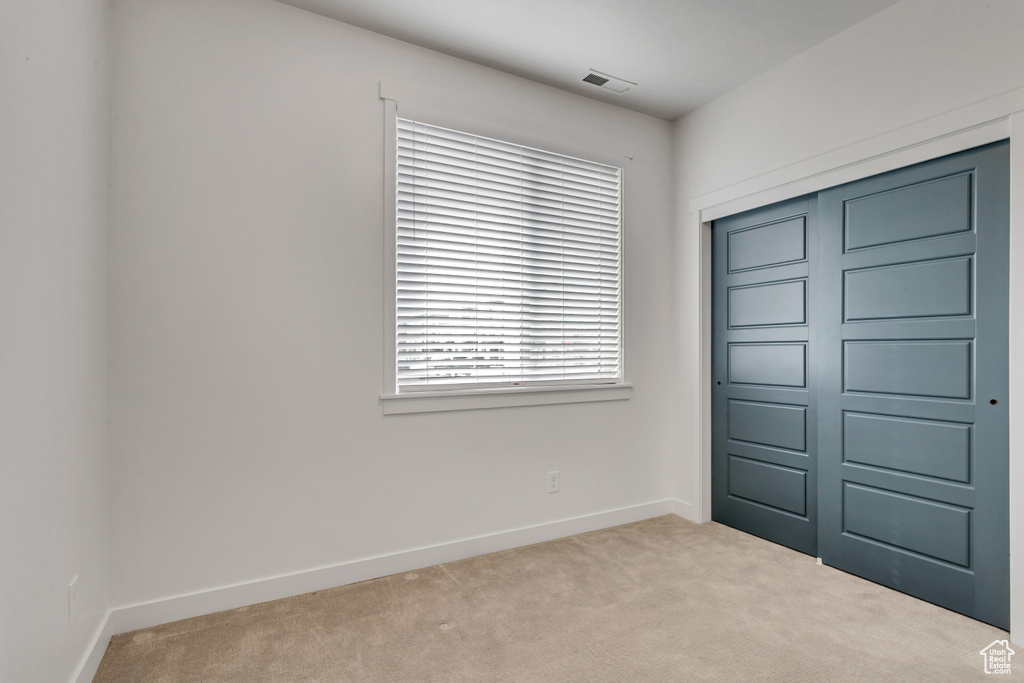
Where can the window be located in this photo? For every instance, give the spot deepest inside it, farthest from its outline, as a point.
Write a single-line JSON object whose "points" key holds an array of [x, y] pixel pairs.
{"points": [[508, 265]]}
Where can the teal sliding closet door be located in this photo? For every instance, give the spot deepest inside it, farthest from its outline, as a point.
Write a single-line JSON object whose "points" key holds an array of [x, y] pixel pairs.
{"points": [[913, 429], [764, 409], [862, 414]]}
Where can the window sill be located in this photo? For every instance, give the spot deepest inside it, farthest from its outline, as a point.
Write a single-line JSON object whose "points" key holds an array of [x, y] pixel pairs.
{"points": [[474, 399]]}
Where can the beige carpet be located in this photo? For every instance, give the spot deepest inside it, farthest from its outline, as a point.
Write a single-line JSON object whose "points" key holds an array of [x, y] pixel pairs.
{"points": [[658, 600]]}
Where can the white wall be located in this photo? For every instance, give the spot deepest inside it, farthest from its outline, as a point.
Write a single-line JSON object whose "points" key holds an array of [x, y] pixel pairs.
{"points": [[246, 261], [53, 334], [913, 61], [910, 74]]}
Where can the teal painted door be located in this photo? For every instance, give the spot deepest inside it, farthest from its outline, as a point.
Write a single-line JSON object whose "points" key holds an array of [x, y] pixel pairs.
{"points": [[913, 426], [860, 361], [763, 452]]}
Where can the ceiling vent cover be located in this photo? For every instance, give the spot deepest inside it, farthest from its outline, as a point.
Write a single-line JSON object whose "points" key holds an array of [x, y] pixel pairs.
{"points": [[607, 82]]}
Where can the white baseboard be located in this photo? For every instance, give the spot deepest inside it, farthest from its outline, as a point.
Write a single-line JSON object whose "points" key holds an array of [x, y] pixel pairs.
{"points": [[94, 655], [685, 510], [144, 615]]}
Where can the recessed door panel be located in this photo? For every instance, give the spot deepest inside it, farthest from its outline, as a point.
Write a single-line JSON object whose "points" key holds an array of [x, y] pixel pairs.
{"points": [[923, 447], [783, 488], [767, 424], [934, 369], [940, 206], [907, 523], [783, 365], [782, 303], [774, 244], [909, 290]]}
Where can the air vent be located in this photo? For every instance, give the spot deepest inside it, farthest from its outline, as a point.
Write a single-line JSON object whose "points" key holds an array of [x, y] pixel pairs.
{"points": [[607, 82]]}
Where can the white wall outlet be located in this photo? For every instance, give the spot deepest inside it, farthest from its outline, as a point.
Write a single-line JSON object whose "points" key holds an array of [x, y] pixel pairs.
{"points": [[73, 600], [553, 482]]}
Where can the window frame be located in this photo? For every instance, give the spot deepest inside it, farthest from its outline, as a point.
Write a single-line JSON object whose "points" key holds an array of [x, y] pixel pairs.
{"points": [[467, 397]]}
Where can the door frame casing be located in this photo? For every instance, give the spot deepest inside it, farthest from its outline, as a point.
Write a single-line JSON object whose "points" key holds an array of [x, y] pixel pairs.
{"points": [[972, 126]]}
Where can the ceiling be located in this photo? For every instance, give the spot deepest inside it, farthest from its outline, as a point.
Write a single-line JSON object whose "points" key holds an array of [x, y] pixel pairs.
{"points": [[680, 53]]}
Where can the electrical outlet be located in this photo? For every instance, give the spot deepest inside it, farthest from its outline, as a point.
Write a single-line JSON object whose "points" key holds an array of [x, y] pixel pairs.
{"points": [[553, 482], [73, 600]]}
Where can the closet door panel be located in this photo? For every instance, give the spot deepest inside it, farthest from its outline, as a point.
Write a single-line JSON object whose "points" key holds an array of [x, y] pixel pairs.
{"points": [[913, 348], [764, 418]]}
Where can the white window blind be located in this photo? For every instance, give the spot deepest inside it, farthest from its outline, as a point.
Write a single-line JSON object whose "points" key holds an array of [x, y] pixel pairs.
{"points": [[508, 264]]}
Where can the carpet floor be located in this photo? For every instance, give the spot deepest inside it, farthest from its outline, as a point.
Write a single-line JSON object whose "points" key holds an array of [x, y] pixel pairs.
{"points": [[658, 600]]}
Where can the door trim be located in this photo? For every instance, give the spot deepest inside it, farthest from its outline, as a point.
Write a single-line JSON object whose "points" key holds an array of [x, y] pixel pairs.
{"points": [[991, 120]]}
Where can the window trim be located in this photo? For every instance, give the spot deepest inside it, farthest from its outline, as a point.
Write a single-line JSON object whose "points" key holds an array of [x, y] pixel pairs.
{"points": [[476, 398], [502, 397]]}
